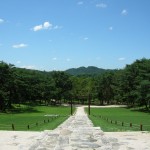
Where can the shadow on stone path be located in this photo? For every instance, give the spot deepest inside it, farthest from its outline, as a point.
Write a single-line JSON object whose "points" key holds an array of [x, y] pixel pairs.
{"points": [[76, 133]]}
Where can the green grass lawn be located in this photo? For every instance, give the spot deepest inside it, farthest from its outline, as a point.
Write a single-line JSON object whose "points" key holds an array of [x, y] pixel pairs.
{"points": [[102, 117], [23, 116]]}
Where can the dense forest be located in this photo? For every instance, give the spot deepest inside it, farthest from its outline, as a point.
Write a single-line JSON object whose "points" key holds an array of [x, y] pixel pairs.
{"points": [[130, 86]]}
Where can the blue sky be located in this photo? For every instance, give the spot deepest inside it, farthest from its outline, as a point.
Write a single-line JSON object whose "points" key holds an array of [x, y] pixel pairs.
{"points": [[61, 34]]}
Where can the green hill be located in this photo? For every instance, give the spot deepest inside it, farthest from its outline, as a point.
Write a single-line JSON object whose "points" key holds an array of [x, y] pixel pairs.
{"points": [[91, 70]]}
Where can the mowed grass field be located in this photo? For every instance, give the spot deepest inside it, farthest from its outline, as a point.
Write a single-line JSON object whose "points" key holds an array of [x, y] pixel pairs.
{"points": [[111, 119], [37, 118]]}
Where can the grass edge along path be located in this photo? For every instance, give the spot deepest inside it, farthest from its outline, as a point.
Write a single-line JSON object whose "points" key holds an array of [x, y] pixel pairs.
{"points": [[119, 119], [37, 118]]}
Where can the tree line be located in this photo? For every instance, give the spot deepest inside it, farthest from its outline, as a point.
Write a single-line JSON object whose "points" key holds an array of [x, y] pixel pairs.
{"points": [[130, 86]]}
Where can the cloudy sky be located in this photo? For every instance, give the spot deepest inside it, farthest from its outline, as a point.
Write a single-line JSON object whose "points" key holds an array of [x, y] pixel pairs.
{"points": [[61, 34]]}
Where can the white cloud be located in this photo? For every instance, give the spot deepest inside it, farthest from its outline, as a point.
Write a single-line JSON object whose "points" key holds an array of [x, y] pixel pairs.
{"points": [[57, 27], [124, 12], [22, 45], [101, 5], [80, 3], [86, 38], [29, 67], [68, 59], [37, 28], [54, 58], [110, 28], [1, 20], [45, 25], [121, 59], [18, 62]]}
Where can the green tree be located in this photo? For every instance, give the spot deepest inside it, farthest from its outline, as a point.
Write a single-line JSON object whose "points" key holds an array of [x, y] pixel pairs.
{"points": [[5, 85], [104, 88], [63, 84], [132, 83]]}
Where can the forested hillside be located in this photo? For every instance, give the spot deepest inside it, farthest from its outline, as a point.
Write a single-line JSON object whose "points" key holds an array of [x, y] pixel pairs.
{"points": [[91, 70], [130, 86]]}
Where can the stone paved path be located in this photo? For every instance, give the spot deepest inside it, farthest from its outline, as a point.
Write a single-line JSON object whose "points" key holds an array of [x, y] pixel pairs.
{"points": [[76, 133]]}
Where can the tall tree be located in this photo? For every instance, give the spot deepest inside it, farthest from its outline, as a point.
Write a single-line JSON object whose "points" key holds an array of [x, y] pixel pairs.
{"points": [[5, 85], [105, 88], [63, 83]]}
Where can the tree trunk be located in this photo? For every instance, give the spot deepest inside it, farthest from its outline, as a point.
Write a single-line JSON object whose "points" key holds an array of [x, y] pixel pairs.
{"points": [[2, 105]]}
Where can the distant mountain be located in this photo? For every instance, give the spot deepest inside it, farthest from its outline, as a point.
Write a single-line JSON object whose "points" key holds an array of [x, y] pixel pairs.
{"points": [[91, 70]]}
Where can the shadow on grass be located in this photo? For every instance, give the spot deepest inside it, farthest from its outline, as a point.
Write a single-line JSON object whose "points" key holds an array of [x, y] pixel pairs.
{"points": [[139, 109], [27, 109], [142, 110]]}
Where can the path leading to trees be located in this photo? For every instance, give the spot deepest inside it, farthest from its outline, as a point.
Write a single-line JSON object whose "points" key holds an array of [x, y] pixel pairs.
{"points": [[76, 133]]}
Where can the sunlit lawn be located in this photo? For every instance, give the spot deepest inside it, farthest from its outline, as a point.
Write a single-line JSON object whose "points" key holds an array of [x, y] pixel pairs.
{"points": [[38, 118], [103, 116]]}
